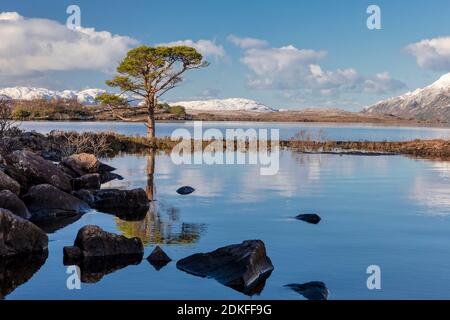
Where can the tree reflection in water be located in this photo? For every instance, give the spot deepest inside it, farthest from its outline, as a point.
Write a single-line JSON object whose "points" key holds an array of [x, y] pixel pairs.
{"points": [[162, 223]]}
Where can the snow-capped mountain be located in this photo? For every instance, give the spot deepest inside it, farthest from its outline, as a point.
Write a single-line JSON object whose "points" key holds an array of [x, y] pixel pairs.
{"points": [[429, 103], [232, 104], [86, 96]]}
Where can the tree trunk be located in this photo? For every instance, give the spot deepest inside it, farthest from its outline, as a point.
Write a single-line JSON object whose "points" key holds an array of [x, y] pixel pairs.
{"points": [[151, 129]]}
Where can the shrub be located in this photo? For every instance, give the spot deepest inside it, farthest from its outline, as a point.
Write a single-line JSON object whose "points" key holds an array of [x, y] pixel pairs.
{"points": [[178, 110], [21, 114]]}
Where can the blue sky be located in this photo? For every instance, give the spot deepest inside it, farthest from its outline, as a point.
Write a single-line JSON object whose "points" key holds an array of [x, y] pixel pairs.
{"points": [[329, 57]]}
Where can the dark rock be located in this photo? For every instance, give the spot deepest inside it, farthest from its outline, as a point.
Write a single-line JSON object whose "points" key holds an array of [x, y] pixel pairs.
{"points": [[86, 196], [314, 290], [185, 190], [11, 202], [309, 217], [47, 202], [8, 183], [109, 176], [29, 169], [95, 242], [19, 236], [82, 163], [158, 258], [243, 267], [17, 270], [72, 255], [87, 181], [104, 168], [123, 203]]}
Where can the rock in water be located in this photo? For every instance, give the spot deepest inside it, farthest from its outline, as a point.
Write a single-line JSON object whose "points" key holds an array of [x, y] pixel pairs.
{"points": [[19, 236], [243, 267], [47, 202], [185, 190], [126, 204], [94, 242], [309, 217], [315, 290], [11, 202], [8, 183], [87, 181], [29, 169], [82, 163], [158, 258]]}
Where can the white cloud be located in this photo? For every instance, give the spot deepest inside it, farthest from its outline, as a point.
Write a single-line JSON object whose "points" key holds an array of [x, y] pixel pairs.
{"points": [[247, 43], [31, 45], [433, 54], [205, 47], [289, 68]]}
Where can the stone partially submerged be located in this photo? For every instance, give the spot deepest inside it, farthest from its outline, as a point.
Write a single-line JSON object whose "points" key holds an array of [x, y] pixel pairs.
{"points": [[185, 190], [158, 258], [93, 242], [126, 204], [47, 202], [244, 267], [314, 290], [309, 217], [19, 236]]}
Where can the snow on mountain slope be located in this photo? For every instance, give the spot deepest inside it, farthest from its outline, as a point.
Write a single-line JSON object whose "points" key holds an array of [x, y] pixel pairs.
{"points": [[429, 103], [232, 104], [86, 96]]}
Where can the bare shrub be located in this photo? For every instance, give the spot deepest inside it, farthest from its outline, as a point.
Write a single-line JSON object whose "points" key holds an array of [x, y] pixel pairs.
{"points": [[6, 122], [73, 143]]}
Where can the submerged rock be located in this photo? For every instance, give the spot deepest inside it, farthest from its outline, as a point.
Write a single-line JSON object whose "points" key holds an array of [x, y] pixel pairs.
{"points": [[309, 217], [17, 270], [314, 290], [30, 169], [243, 267], [158, 258], [19, 236], [93, 241], [8, 183], [87, 181], [185, 190], [47, 202], [11, 202], [109, 176], [53, 224]]}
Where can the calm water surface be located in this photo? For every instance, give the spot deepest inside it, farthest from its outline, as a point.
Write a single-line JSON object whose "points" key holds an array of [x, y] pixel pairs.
{"points": [[389, 211], [354, 132]]}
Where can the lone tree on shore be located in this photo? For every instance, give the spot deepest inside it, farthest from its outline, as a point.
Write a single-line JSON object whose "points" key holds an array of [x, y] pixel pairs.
{"points": [[146, 73]]}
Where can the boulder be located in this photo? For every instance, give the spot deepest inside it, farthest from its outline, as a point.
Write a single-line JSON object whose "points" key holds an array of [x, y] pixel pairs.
{"points": [[123, 203], [19, 236], [87, 181], [29, 169], [158, 258], [11, 202], [109, 176], [309, 217], [314, 290], [8, 183], [185, 190], [243, 267], [94, 242], [47, 202], [82, 163]]}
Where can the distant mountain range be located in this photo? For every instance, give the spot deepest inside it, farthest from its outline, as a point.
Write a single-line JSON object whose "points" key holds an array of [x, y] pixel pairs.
{"points": [[429, 103], [87, 97]]}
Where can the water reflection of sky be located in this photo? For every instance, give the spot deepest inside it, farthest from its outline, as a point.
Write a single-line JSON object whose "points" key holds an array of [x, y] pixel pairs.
{"points": [[390, 210]]}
